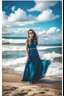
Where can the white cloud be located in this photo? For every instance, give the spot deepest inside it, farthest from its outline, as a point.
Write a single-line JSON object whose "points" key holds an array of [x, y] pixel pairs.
{"points": [[47, 15], [4, 18], [11, 30], [20, 15], [20, 18], [58, 30], [42, 5], [13, 8], [52, 30], [46, 33], [17, 15], [41, 33], [56, 38]]}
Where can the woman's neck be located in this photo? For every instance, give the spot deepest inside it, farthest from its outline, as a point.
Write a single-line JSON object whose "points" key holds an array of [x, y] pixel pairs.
{"points": [[30, 39]]}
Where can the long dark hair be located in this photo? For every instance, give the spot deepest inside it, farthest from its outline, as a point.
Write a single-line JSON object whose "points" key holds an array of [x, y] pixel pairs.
{"points": [[35, 38]]}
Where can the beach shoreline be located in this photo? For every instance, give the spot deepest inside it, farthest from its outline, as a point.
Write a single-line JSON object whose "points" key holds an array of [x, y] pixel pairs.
{"points": [[13, 86]]}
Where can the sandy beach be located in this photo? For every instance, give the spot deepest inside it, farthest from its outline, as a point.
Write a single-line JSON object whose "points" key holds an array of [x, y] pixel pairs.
{"points": [[13, 86]]}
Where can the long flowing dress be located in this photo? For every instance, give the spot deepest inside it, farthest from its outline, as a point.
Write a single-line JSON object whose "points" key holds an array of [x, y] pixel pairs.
{"points": [[35, 68]]}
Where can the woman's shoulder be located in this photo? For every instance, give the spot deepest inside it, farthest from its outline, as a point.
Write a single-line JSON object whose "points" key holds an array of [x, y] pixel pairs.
{"points": [[27, 41]]}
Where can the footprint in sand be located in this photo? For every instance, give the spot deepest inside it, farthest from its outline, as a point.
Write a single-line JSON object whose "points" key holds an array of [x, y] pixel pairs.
{"points": [[29, 91]]}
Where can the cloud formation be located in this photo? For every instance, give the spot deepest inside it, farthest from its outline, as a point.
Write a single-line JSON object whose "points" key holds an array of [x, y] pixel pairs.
{"points": [[50, 34], [53, 30], [20, 17], [42, 5], [47, 15], [50, 31], [13, 8]]}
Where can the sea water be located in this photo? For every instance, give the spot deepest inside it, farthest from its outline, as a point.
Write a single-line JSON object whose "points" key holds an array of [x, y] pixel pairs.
{"points": [[14, 55]]}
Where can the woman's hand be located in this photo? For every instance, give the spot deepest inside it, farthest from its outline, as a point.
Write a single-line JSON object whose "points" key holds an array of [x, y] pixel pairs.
{"points": [[27, 57], [27, 49]]}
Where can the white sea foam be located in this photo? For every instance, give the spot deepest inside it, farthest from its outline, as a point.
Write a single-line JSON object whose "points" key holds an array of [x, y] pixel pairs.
{"points": [[13, 40], [17, 64], [54, 72], [47, 47], [13, 48], [51, 56], [22, 60], [55, 69], [13, 62]]}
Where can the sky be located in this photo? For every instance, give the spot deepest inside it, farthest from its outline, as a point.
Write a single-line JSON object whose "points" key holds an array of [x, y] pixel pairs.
{"points": [[44, 17]]}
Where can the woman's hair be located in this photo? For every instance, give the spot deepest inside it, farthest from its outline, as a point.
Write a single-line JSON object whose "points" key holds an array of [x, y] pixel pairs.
{"points": [[35, 38]]}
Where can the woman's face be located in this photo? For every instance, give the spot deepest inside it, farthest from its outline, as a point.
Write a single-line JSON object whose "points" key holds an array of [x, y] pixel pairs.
{"points": [[31, 34]]}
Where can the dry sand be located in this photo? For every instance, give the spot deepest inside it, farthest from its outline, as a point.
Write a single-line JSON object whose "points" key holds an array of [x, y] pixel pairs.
{"points": [[13, 86]]}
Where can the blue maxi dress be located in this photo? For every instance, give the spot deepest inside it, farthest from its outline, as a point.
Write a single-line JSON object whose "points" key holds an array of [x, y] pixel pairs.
{"points": [[35, 68]]}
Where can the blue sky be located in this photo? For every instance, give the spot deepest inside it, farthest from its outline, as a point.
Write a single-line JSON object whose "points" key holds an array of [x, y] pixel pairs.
{"points": [[44, 17]]}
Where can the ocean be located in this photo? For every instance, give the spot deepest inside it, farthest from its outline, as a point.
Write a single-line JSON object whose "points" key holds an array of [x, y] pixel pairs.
{"points": [[14, 55]]}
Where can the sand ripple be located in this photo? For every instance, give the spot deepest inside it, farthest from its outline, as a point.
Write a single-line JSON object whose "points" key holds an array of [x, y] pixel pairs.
{"points": [[29, 91]]}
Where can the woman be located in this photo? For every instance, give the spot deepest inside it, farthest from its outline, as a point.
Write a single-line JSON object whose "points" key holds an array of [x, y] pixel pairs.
{"points": [[35, 68]]}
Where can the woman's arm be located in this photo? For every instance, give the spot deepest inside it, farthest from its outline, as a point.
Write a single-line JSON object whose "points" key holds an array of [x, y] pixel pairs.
{"points": [[27, 49]]}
